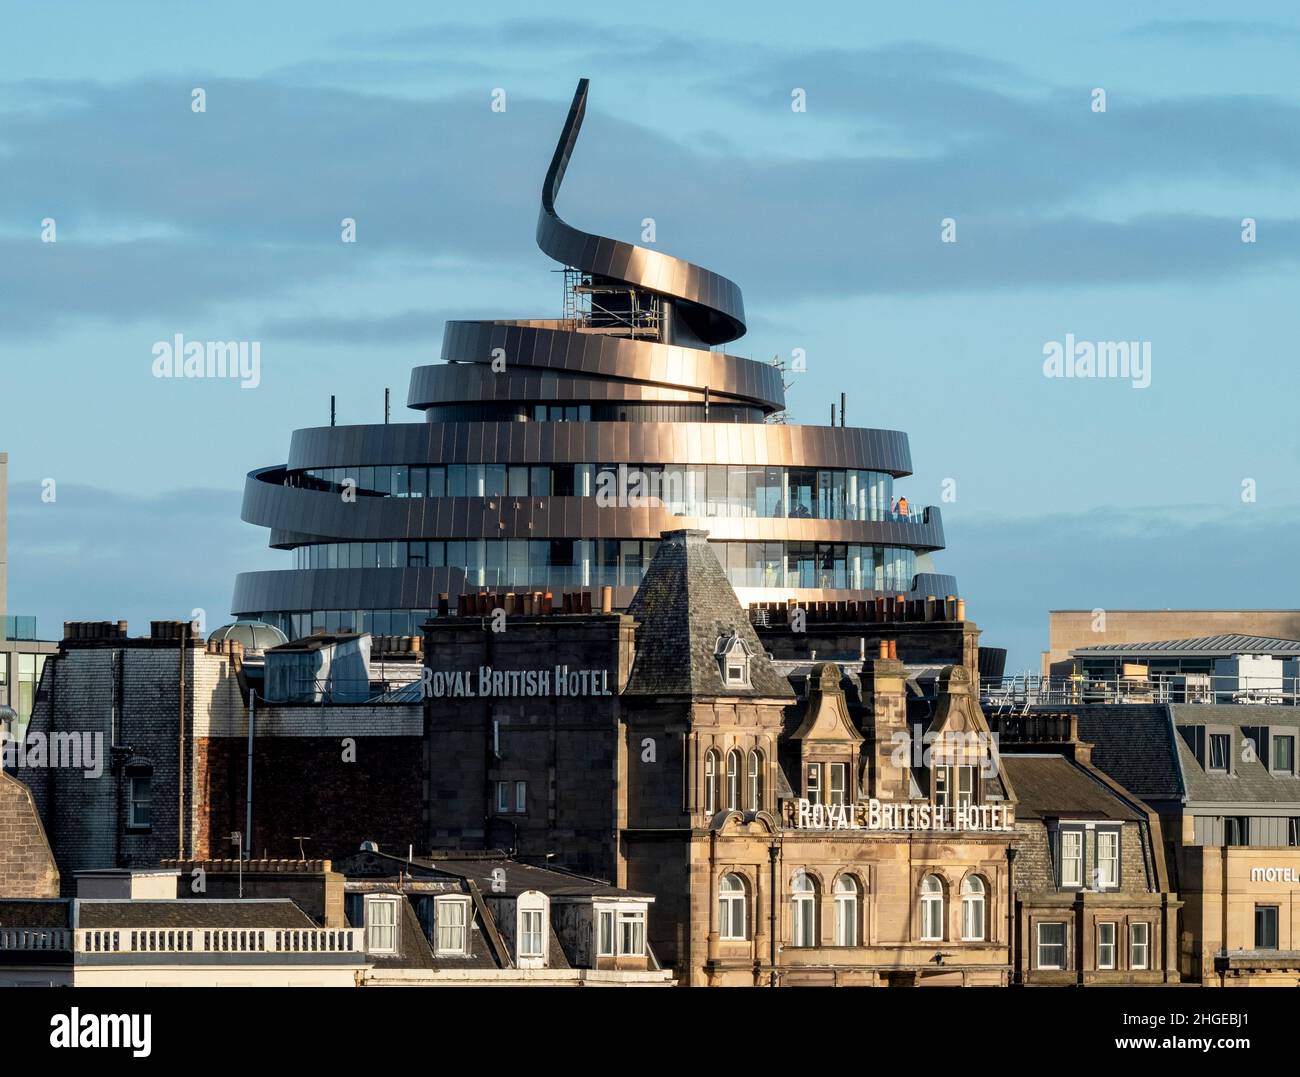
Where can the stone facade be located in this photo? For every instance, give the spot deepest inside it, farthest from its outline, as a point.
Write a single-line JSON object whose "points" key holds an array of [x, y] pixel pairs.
{"points": [[27, 867], [1224, 891], [682, 784]]}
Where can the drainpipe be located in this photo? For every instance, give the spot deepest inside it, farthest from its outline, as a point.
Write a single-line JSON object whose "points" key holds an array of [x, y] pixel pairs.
{"points": [[773, 851], [1012, 967], [115, 739]]}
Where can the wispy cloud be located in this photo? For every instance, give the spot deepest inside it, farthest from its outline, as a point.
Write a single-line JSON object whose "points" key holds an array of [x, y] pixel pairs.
{"points": [[1215, 31], [96, 555]]}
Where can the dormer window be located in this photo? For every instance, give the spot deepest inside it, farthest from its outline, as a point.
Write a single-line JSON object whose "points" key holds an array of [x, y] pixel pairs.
{"points": [[733, 655]]}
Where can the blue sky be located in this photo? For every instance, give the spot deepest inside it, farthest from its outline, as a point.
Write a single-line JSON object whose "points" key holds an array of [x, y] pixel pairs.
{"points": [[1122, 225]]}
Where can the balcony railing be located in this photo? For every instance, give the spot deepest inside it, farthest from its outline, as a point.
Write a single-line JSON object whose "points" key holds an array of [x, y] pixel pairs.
{"points": [[1018, 693], [183, 940]]}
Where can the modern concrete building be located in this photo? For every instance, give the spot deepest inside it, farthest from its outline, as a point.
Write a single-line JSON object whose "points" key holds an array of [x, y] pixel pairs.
{"points": [[1070, 630], [555, 451]]}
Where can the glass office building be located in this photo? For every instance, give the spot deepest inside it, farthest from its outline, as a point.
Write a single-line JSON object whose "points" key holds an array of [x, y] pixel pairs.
{"points": [[554, 452]]}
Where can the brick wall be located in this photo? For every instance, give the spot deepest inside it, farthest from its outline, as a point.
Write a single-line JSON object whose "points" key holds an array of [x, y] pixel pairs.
{"points": [[302, 783]]}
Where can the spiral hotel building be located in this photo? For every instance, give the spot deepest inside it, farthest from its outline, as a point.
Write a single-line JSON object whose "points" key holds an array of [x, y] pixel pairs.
{"points": [[554, 453]]}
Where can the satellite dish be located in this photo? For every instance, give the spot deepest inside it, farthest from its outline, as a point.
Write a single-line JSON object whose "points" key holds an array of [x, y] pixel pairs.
{"points": [[369, 847]]}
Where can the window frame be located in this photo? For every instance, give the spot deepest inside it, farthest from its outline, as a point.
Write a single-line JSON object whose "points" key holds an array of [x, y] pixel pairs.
{"points": [[1075, 833], [1276, 910], [812, 783], [378, 901], [932, 905], [942, 783], [734, 761], [754, 780], [1114, 833], [803, 911], [440, 905], [1273, 738], [970, 898], [712, 765], [1113, 945], [525, 932], [969, 797], [636, 919], [1211, 738], [727, 915], [838, 797], [133, 801], [606, 944], [1134, 945], [850, 897], [1063, 945]]}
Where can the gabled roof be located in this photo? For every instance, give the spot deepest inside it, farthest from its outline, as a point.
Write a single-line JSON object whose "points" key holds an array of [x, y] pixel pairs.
{"points": [[826, 715], [1052, 786], [1224, 646], [1134, 744], [683, 606], [491, 871]]}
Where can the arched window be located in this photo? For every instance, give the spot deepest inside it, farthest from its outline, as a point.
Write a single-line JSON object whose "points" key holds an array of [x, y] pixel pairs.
{"points": [[803, 907], [733, 779], [733, 918], [973, 906], [710, 781], [931, 909], [755, 784], [846, 911]]}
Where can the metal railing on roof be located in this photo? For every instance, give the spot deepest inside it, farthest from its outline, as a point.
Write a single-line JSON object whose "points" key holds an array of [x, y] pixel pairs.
{"points": [[178, 940], [1011, 694]]}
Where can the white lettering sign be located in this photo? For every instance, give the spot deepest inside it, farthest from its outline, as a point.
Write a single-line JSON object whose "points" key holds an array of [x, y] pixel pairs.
{"points": [[875, 815], [1274, 875], [489, 683]]}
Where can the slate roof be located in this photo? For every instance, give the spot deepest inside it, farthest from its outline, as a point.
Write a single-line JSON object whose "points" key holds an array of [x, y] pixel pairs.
{"points": [[35, 912], [1052, 786], [1134, 744], [187, 912], [1250, 780], [519, 877], [683, 605], [1224, 646]]}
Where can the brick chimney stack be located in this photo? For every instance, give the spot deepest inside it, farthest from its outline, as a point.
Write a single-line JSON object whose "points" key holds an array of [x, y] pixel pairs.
{"points": [[884, 694]]}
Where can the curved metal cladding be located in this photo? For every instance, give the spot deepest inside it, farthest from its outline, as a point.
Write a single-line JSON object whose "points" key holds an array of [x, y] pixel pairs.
{"points": [[628, 377]]}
